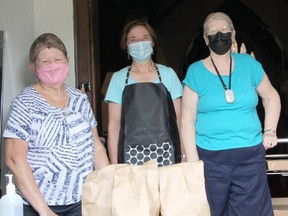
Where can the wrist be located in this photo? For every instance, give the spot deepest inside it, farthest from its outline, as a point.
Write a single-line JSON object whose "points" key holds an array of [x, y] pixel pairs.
{"points": [[270, 130]]}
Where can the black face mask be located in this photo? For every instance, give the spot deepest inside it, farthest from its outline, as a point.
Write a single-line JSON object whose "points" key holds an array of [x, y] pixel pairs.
{"points": [[220, 43]]}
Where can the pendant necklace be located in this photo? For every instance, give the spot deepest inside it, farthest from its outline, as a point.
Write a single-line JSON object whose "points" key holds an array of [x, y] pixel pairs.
{"points": [[229, 94]]}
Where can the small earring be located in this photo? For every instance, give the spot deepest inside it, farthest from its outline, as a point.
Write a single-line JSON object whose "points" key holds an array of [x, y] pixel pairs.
{"points": [[128, 56]]}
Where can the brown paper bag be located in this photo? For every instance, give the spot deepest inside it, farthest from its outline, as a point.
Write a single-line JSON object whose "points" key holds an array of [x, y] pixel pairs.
{"points": [[135, 191], [182, 190], [97, 191]]}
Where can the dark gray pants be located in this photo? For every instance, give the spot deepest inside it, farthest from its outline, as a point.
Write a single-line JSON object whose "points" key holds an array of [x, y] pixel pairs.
{"points": [[65, 210], [236, 181]]}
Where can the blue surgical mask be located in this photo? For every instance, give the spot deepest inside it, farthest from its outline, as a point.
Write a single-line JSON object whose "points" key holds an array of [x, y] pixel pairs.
{"points": [[141, 51]]}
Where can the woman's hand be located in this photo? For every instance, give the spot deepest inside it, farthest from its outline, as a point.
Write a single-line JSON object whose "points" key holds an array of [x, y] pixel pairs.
{"points": [[269, 139], [47, 212]]}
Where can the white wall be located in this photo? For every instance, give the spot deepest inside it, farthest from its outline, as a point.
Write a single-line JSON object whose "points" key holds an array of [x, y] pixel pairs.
{"points": [[56, 16], [23, 21]]}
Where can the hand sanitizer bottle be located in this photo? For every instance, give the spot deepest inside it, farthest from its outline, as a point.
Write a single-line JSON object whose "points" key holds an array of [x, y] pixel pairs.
{"points": [[11, 204]]}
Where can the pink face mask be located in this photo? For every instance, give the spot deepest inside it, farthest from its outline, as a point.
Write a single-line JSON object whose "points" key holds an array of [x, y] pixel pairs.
{"points": [[53, 74]]}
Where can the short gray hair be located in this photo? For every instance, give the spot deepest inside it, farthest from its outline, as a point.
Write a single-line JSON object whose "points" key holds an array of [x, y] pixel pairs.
{"points": [[46, 40]]}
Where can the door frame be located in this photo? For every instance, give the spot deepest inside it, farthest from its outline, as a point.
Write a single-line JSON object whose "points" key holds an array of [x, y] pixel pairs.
{"points": [[87, 53]]}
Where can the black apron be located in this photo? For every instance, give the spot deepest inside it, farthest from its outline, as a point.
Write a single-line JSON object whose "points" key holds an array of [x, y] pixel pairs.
{"points": [[148, 125]]}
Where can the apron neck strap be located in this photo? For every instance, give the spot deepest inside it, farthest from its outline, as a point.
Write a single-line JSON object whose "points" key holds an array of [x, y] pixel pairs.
{"points": [[129, 69]]}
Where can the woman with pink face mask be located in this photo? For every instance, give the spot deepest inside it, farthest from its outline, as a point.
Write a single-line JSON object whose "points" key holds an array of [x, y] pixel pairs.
{"points": [[51, 138], [144, 104]]}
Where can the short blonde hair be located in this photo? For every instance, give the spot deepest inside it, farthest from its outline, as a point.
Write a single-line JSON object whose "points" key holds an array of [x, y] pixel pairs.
{"points": [[217, 16]]}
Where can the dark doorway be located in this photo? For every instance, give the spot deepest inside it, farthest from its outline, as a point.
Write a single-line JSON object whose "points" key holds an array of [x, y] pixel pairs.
{"points": [[178, 24], [250, 29]]}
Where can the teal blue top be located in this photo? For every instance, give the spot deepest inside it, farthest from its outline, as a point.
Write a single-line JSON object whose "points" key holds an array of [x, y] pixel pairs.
{"points": [[117, 83], [220, 125]]}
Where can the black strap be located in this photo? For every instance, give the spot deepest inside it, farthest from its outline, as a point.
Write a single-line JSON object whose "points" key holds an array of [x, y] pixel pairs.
{"points": [[159, 76], [224, 86], [127, 75], [129, 69]]}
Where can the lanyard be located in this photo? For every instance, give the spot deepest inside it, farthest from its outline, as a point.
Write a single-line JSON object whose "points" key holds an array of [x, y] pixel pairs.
{"points": [[224, 86]]}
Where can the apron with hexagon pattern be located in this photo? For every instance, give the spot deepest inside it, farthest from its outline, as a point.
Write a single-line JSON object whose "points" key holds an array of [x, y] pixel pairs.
{"points": [[148, 125]]}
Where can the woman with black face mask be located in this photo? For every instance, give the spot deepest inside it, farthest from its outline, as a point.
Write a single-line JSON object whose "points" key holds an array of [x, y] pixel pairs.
{"points": [[220, 124]]}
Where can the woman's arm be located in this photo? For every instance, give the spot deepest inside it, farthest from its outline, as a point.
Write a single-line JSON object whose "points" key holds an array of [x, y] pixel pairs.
{"points": [[272, 106], [189, 111], [100, 155], [16, 161], [177, 107], [114, 120]]}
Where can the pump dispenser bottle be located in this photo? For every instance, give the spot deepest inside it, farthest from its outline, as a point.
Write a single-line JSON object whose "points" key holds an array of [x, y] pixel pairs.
{"points": [[11, 204]]}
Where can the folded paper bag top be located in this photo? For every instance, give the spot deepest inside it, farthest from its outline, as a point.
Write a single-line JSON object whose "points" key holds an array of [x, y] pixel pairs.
{"points": [[142, 190]]}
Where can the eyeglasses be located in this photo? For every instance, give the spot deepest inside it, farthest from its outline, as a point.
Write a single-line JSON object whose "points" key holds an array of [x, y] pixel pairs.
{"points": [[213, 31]]}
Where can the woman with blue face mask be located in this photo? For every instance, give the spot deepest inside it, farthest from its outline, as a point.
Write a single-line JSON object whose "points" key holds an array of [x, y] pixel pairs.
{"points": [[220, 124], [144, 104]]}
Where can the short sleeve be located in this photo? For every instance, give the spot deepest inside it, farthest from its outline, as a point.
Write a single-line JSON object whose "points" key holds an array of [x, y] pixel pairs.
{"points": [[19, 121], [171, 81], [115, 88], [88, 112], [258, 71], [189, 79]]}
